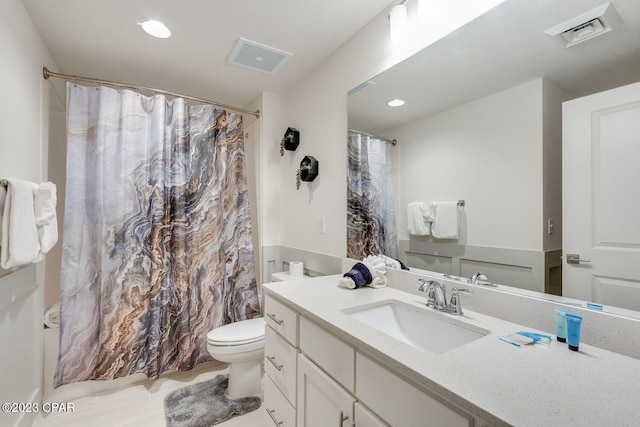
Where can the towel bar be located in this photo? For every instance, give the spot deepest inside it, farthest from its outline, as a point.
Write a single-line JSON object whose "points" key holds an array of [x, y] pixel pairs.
{"points": [[3, 182], [460, 202]]}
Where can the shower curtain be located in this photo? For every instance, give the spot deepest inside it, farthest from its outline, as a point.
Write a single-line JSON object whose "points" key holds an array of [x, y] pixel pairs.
{"points": [[371, 220], [157, 246]]}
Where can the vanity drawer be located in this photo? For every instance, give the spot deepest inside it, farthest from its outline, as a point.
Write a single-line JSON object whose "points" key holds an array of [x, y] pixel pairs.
{"points": [[334, 356], [282, 319], [400, 403], [279, 412], [280, 363]]}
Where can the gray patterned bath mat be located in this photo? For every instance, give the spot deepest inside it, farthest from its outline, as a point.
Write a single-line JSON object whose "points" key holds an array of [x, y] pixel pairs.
{"points": [[205, 404]]}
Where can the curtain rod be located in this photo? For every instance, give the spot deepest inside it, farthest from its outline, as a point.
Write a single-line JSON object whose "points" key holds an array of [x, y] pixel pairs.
{"points": [[393, 142], [46, 73]]}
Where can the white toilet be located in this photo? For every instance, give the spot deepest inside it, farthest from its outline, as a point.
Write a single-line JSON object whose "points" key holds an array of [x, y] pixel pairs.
{"points": [[241, 344]]}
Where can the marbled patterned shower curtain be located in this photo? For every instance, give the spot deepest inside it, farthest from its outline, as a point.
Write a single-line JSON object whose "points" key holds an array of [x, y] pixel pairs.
{"points": [[157, 244], [371, 219]]}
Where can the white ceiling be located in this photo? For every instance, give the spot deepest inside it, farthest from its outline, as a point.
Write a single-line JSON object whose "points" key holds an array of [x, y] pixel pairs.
{"points": [[501, 49], [101, 39]]}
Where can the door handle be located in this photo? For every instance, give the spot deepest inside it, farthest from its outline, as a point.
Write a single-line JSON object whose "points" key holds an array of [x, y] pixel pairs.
{"points": [[575, 259]]}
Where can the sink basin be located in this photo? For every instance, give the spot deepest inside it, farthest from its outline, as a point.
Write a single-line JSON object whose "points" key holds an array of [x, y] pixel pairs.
{"points": [[421, 328]]}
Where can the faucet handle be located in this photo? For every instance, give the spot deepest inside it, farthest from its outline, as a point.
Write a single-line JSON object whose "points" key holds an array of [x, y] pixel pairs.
{"points": [[454, 306]]}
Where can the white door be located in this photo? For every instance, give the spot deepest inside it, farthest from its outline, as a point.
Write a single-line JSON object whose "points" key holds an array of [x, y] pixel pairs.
{"points": [[601, 197], [321, 400]]}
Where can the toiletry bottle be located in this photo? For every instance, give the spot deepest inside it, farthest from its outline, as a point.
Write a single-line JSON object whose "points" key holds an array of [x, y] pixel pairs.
{"points": [[561, 325], [574, 324]]}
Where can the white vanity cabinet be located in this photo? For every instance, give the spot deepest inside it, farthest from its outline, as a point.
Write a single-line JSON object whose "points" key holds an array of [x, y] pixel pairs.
{"points": [[337, 385], [280, 363]]}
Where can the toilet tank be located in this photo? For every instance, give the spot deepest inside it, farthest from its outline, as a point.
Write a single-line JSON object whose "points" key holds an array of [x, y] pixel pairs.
{"points": [[284, 276]]}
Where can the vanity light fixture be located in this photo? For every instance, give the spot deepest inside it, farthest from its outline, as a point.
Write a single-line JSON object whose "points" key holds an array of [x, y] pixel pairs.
{"points": [[155, 29], [398, 23], [395, 103]]}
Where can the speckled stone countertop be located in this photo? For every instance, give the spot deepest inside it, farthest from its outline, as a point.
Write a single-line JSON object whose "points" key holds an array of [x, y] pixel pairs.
{"points": [[500, 383]]}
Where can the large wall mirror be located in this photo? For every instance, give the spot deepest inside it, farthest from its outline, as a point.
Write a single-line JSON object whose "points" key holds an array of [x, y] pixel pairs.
{"points": [[482, 122]]}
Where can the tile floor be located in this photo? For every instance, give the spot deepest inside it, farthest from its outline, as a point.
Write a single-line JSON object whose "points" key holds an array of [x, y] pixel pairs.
{"points": [[142, 404]]}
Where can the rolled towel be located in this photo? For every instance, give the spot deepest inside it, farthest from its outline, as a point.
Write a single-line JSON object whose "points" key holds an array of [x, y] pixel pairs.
{"points": [[394, 263], [376, 264], [52, 316], [357, 277], [378, 282]]}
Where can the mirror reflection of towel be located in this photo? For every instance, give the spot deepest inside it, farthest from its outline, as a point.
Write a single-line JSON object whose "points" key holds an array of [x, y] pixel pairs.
{"points": [[419, 218], [445, 225]]}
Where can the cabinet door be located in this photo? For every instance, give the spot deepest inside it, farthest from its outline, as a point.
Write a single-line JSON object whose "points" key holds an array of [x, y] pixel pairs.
{"points": [[321, 401], [400, 403], [365, 418]]}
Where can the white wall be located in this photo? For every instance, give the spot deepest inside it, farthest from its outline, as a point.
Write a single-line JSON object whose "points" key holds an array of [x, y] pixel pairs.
{"points": [[487, 152], [317, 106], [23, 154]]}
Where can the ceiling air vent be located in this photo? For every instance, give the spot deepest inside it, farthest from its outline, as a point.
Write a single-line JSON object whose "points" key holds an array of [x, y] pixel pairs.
{"points": [[360, 87], [591, 24], [257, 56]]}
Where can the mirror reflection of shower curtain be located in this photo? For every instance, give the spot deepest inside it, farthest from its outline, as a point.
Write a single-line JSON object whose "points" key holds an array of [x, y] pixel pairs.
{"points": [[371, 220], [157, 245]]}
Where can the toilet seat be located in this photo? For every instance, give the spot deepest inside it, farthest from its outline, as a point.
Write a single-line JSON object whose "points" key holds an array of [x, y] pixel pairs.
{"points": [[237, 334]]}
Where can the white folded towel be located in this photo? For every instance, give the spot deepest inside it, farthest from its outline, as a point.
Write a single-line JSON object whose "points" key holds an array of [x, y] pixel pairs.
{"points": [[419, 218], [52, 316], [3, 197], [20, 242], [44, 205], [445, 225]]}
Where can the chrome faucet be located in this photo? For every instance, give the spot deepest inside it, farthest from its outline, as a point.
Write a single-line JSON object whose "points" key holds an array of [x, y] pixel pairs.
{"points": [[437, 297], [479, 278]]}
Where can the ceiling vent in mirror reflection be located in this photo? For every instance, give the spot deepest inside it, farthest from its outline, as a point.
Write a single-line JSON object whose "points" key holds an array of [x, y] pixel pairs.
{"points": [[361, 87], [593, 23]]}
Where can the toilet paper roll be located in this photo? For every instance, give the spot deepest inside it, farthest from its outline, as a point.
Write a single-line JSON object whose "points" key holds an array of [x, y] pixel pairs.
{"points": [[296, 268]]}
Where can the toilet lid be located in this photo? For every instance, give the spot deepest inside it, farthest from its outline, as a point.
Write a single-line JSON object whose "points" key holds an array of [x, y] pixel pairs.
{"points": [[243, 332]]}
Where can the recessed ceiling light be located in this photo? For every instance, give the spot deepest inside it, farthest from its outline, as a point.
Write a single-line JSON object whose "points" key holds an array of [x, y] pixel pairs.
{"points": [[155, 29], [395, 103]]}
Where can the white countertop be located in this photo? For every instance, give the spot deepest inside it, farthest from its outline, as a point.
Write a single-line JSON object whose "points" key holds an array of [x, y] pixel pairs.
{"points": [[503, 384]]}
